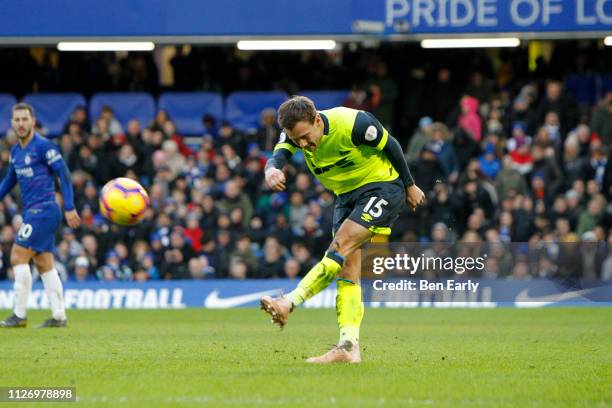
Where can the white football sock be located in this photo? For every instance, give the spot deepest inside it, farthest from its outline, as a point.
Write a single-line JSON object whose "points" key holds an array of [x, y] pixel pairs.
{"points": [[22, 289], [55, 293]]}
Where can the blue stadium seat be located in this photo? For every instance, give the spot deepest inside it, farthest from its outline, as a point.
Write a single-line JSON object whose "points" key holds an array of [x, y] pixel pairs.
{"points": [[583, 86], [187, 108], [243, 109], [326, 99], [6, 103], [129, 105], [53, 110], [606, 83]]}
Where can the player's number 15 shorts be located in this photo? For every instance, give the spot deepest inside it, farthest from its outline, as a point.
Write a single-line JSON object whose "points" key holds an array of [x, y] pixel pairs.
{"points": [[376, 206]]}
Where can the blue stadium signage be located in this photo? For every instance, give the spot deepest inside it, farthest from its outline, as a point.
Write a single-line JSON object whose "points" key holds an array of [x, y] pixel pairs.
{"points": [[198, 21], [223, 294], [462, 16]]}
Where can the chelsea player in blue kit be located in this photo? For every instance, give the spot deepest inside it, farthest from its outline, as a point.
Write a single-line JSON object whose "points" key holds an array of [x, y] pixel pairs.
{"points": [[34, 164]]}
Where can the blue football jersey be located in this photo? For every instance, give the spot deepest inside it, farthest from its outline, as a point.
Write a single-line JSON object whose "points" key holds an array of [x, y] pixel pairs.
{"points": [[34, 166]]}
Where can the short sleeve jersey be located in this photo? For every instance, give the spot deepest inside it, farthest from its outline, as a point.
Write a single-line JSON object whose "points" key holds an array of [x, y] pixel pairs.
{"points": [[350, 153]]}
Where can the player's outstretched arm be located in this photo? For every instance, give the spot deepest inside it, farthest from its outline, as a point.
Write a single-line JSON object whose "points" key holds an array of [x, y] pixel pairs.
{"points": [[8, 182]]}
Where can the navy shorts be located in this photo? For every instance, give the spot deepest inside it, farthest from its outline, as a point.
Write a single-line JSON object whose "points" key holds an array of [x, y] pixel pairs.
{"points": [[376, 206], [37, 231]]}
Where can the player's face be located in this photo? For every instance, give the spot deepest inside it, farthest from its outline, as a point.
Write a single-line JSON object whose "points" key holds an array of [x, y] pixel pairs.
{"points": [[23, 123], [307, 135]]}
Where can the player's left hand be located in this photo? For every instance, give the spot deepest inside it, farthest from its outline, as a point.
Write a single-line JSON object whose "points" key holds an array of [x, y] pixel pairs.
{"points": [[73, 219], [414, 196]]}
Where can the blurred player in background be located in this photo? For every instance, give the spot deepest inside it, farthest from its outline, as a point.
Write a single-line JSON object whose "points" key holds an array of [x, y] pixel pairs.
{"points": [[34, 163], [353, 155]]}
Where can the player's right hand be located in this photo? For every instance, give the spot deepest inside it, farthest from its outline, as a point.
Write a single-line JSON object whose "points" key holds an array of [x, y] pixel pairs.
{"points": [[73, 219], [414, 197], [275, 179]]}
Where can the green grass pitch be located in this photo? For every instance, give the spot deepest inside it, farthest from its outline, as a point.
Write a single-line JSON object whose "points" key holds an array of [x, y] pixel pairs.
{"points": [[412, 357]]}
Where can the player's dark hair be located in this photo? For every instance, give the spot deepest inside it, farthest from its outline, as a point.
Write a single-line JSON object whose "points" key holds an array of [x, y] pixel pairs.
{"points": [[296, 109], [23, 106]]}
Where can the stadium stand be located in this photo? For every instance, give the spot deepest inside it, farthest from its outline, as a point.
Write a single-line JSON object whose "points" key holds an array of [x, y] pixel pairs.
{"points": [[53, 110], [6, 103], [519, 159], [326, 99], [188, 108], [242, 109], [126, 106]]}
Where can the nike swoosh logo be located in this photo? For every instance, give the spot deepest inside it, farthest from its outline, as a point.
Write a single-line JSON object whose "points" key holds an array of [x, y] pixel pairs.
{"points": [[524, 300], [213, 301]]}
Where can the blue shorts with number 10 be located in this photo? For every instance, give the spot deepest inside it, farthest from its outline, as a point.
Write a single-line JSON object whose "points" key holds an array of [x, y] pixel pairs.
{"points": [[376, 206], [37, 231]]}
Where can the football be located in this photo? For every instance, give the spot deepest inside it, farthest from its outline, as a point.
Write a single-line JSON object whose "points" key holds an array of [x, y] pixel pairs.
{"points": [[123, 201]]}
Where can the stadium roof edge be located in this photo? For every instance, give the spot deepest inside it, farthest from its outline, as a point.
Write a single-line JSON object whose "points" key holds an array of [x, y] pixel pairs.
{"points": [[168, 40], [229, 40]]}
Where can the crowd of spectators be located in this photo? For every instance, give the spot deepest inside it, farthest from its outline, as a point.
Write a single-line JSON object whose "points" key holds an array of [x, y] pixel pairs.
{"points": [[499, 163], [533, 168]]}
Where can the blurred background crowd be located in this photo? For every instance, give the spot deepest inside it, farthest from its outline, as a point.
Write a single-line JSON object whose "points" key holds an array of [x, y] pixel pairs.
{"points": [[507, 150]]}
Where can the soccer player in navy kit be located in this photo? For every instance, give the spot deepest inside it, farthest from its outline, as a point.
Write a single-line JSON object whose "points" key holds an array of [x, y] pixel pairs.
{"points": [[34, 163]]}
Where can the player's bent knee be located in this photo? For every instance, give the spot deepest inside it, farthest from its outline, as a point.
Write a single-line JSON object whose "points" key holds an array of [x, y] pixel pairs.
{"points": [[343, 246], [43, 267], [346, 244], [43, 262], [340, 244]]}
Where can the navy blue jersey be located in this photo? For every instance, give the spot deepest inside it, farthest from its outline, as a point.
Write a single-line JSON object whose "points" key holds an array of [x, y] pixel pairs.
{"points": [[35, 167]]}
